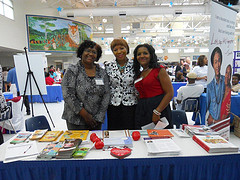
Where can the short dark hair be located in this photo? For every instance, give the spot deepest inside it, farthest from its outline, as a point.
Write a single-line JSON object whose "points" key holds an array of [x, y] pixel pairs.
{"points": [[89, 44], [153, 59], [200, 60], [119, 41], [216, 50], [237, 75]]}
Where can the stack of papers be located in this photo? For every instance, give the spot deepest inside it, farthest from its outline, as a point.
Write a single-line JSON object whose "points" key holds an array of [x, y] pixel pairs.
{"points": [[15, 152], [162, 147]]}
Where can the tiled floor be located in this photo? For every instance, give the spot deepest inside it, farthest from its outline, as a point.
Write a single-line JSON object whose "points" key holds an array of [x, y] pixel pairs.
{"points": [[55, 110]]}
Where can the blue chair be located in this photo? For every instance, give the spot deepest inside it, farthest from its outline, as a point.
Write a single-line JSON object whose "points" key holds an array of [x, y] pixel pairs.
{"points": [[37, 122], [179, 117], [191, 104]]}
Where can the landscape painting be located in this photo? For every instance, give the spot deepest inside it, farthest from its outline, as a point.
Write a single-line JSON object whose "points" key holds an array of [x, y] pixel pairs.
{"points": [[54, 34]]}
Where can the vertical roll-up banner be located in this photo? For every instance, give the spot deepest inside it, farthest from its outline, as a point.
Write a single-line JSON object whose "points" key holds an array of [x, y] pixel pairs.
{"points": [[220, 60]]}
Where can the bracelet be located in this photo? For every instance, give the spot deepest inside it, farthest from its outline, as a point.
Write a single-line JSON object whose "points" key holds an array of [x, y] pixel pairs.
{"points": [[156, 112]]}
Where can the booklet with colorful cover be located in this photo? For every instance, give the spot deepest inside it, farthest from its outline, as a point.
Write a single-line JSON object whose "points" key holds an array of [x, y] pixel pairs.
{"points": [[74, 134], [199, 130], [21, 137], [50, 151], [38, 134], [51, 136], [83, 149], [215, 144], [159, 133], [69, 146]]}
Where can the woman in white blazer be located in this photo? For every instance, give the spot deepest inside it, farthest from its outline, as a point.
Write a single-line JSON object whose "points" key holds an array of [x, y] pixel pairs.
{"points": [[123, 94]]}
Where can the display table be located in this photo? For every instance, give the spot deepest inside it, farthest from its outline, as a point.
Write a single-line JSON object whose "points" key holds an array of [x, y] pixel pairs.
{"points": [[235, 104], [193, 163], [177, 85], [54, 94]]}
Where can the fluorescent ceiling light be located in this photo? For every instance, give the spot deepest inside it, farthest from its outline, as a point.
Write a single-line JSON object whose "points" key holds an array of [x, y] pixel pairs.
{"points": [[189, 50], [173, 50], [203, 50], [125, 31], [159, 51], [108, 52]]}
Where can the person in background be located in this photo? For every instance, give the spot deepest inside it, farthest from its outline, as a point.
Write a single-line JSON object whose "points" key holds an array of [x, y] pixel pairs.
{"points": [[215, 89], [12, 79], [235, 82], [4, 75], [201, 70], [226, 102], [52, 74], [121, 111], [85, 90], [178, 68], [186, 69], [180, 77], [48, 79], [190, 90], [3, 104], [58, 77], [154, 87]]}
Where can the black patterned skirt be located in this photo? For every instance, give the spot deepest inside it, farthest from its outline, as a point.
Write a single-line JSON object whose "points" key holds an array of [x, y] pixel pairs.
{"points": [[145, 109]]}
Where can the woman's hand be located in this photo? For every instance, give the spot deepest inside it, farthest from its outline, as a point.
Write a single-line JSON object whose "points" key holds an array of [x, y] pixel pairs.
{"points": [[88, 118], [210, 120], [155, 118]]}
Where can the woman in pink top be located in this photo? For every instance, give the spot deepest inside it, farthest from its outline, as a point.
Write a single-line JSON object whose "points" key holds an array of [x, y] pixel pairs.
{"points": [[154, 87]]}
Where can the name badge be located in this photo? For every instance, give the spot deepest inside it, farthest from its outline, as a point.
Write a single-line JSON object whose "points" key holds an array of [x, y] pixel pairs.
{"points": [[99, 82], [137, 80]]}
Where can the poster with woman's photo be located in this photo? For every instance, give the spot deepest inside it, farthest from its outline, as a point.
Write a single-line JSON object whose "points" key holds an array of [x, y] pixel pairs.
{"points": [[221, 46]]}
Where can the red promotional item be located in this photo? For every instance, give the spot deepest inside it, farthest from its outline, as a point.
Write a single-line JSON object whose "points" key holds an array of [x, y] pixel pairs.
{"points": [[96, 139], [92, 136], [120, 153], [136, 135], [99, 145]]}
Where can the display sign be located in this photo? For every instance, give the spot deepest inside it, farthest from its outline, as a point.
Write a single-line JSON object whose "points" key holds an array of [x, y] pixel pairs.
{"points": [[55, 34], [222, 29]]}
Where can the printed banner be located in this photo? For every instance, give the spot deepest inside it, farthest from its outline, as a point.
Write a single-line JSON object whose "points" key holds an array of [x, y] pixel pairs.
{"points": [[54, 34], [220, 62]]}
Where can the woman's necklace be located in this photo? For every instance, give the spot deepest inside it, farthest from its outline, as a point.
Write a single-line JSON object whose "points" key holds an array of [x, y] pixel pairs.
{"points": [[121, 68]]}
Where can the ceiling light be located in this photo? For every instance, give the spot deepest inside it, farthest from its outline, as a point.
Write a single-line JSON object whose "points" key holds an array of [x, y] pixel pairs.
{"points": [[159, 51], [104, 20], [203, 50], [189, 50], [86, 0], [173, 50], [100, 28], [108, 52]]}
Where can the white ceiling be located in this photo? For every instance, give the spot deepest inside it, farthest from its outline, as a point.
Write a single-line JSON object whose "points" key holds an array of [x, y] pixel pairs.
{"points": [[164, 23]]}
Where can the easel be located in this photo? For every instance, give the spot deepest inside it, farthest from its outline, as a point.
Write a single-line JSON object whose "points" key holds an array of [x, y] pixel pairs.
{"points": [[29, 75]]}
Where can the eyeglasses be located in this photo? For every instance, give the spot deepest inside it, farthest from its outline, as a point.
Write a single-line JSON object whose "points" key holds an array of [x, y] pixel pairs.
{"points": [[90, 51]]}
